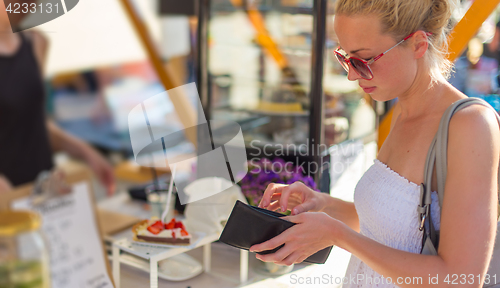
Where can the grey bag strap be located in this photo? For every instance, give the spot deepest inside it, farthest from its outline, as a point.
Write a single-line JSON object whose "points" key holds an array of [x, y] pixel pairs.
{"points": [[442, 141], [438, 154]]}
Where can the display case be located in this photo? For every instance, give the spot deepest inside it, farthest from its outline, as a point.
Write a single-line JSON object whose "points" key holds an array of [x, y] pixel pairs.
{"points": [[264, 65]]}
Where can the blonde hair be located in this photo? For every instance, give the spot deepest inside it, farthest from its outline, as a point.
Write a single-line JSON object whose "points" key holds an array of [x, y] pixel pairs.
{"points": [[400, 18]]}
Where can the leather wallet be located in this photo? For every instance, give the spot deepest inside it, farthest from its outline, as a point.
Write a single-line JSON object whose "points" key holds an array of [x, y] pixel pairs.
{"points": [[249, 225]]}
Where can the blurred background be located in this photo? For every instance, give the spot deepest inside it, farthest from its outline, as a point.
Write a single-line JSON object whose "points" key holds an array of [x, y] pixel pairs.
{"points": [[255, 68], [266, 64]]}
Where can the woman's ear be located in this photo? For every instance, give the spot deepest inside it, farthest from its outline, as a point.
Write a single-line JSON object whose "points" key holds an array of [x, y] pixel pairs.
{"points": [[420, 44]]}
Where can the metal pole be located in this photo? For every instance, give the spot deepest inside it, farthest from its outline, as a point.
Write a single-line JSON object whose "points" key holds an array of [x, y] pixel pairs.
{"points": [[316, 132]]}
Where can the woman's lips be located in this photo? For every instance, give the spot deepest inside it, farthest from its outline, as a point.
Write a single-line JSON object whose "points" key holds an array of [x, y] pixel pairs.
{"points": [[368, 89]]}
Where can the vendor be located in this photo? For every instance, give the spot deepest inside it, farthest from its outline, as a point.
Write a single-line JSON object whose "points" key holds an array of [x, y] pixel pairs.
{"points": [[27, 137]]}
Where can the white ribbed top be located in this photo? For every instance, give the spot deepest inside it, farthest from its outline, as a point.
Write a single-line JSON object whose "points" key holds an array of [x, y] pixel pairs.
{"points": [[386, 203]]}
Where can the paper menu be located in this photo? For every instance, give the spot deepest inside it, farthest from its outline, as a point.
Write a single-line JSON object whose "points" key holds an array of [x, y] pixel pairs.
{"points": [[73, 241]]}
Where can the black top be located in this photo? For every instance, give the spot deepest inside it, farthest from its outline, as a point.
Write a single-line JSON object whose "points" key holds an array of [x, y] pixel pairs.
{"points": [[24, 142]]}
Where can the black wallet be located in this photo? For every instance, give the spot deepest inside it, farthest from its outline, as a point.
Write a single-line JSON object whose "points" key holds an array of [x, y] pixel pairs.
{"points": [[249, 225]]}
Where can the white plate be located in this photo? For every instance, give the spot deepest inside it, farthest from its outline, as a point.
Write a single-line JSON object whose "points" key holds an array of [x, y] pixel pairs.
{"points": [[176, 268], [195, 238]]}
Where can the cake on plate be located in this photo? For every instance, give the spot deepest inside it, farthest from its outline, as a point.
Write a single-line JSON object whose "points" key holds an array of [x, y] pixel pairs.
{"points": [[156, 231]]}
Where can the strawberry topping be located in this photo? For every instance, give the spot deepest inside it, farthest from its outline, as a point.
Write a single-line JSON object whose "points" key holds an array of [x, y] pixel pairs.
{"points": [[171, 224], [179, 225], [154, 230], [184, 232], [158, 224]]}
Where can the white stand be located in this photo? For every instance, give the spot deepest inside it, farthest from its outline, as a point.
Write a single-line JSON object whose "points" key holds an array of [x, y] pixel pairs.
{"points": [[243, 266], [207, 258], [116, 266], [156, 254]]}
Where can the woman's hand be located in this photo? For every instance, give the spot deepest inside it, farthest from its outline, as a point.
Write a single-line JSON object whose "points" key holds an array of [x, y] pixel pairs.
{"points": [[314, 231], [296, 197], [62, 141], [5, 185], [101, 168]]}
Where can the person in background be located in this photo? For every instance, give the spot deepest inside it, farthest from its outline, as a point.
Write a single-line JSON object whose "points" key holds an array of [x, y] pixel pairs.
{"points": [[27, 137], [494, 48], [475, 74], [494, 45], [394, 49]]}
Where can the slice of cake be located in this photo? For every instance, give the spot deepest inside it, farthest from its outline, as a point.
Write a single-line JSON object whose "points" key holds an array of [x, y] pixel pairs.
{"points": [[156, 231]]}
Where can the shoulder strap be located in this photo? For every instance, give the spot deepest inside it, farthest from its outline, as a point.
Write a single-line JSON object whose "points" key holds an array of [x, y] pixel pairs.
{"points": [[442, 142], [438, 154]]}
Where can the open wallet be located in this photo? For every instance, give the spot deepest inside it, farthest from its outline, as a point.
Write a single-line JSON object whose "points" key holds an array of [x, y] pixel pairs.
{"points": [[249, 225]]}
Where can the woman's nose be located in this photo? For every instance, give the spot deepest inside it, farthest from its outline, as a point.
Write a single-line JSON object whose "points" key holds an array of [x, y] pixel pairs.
{"points": [[352, 75]]}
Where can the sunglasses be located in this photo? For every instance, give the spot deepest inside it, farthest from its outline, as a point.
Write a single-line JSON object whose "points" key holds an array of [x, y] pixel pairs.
{"points": [[360, 66]]}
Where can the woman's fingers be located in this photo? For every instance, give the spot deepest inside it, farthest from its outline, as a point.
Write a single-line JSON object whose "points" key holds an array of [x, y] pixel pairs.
{"points": [[269, 244], [275, 197], [286, 255], [279, 255], [293, 201], [285, 195], [274, 206], [295, 218], [275, 202], [303, 207], [299, 241], [270, 191], [296, 197], [291, 259], [276, 257], [300, 194], [301, 259]]}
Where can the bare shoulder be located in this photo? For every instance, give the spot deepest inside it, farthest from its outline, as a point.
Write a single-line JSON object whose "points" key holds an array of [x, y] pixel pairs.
{"points": [[474, 142], [475, 120], [470, 197]]}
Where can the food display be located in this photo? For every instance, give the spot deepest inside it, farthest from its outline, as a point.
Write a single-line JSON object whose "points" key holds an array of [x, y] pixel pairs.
{"points": [[156, 231]]}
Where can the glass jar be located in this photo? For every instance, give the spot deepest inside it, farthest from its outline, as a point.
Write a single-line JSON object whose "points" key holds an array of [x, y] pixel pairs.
{"points": [[24, 260], [157, 199]]}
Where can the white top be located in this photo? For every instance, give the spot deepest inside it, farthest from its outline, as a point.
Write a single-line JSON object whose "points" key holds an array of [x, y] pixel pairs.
{"points": [[386, 204]]}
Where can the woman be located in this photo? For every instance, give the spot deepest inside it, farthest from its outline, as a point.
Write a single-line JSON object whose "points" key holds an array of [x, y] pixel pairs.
{"points": [[380, 228], [27, 138]]}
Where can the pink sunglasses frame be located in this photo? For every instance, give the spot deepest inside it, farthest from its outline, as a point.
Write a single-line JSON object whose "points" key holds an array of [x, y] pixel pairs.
{"points": [[367, 63]]}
